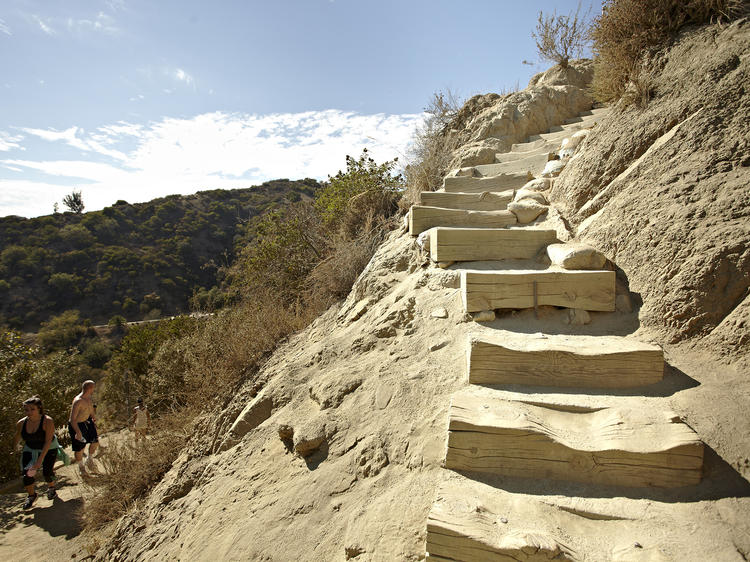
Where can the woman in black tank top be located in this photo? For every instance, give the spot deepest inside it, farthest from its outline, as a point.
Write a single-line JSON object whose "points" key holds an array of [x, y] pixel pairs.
{"points": [[37, 431]]}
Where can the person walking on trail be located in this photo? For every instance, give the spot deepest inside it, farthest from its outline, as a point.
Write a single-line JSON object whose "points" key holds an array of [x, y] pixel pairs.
{"points": [[40, 448], [82, 426], [141, 420]]}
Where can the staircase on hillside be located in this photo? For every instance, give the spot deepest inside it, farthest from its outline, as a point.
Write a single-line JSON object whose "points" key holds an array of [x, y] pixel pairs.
{"points": [[479, 216]]}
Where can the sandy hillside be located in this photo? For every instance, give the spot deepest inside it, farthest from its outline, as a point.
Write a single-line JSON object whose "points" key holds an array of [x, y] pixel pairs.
{"points": [[334, 450]]}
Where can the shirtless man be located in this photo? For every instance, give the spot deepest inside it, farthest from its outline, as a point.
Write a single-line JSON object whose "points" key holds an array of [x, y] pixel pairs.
{"points": [[82, 426]]}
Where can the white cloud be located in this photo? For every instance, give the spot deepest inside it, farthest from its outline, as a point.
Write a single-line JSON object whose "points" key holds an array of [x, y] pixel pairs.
{"points": [[8, 141], [183, 76], [44, 25], [4, 27], [211, 150]]}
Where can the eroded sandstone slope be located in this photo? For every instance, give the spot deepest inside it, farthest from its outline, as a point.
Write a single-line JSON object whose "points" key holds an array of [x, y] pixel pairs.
{"points": [[334, 451]]}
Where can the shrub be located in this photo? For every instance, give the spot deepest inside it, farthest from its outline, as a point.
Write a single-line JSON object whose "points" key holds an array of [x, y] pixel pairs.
{"points": [[431, 148], [627, 31], [560, 38], [62, 331], [23, 373]]}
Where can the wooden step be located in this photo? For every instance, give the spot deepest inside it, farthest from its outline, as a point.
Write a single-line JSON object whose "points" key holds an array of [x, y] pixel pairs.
{"points": [[423, 218], [488, 290], [474, 522], [487, 201], [533, 164], [563, 360], [612, 446], [476, 244], [530, 159], [528, 146], [500, 182]]}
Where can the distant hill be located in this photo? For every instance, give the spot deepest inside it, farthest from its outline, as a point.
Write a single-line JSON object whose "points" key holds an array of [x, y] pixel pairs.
{"points": [[138, 261]]}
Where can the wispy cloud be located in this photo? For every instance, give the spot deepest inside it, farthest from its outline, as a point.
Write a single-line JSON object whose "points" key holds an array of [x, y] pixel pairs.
{"points": [[101, 23], [4, 27], [9, 142], [183, 76], [211, 150], [44, 25]]}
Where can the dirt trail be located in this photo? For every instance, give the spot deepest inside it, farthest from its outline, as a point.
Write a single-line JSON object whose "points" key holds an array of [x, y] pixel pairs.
{"points": [[50, 530]]}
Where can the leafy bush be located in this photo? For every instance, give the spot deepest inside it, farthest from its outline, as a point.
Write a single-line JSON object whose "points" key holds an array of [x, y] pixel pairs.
{"points": [[560, 38], [627, 31], [23, 373], [62, 332]]}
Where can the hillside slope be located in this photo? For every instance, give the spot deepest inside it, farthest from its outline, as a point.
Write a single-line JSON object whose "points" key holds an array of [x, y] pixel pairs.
{"points": [[334, 450], [663, 191]]}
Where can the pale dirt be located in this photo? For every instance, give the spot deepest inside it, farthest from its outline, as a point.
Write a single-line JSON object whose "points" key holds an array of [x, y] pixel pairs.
{"points": [[363, 378]]}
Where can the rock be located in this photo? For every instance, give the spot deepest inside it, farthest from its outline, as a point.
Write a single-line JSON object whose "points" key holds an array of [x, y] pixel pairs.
{"points": [[383, 395], [532, 195], [309, 439], [445, 264], [575, 255], [358, 311], [436, 280], [439, 313], [527, 210], [330, 392], [578, 73], [538, 184], [423, 240], [577, 317], [254, 414], [469, 171], [483, 316], [439, 345], [553, 168], [480, 152], [286, 432]]}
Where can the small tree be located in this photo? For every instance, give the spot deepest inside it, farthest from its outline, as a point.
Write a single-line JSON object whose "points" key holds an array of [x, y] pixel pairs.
{"points": [[74, 201], [559, 38]]}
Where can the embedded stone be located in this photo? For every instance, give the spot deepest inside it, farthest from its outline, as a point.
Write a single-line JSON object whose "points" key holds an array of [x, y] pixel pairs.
{"points": [[575, 255], [527, 210]]}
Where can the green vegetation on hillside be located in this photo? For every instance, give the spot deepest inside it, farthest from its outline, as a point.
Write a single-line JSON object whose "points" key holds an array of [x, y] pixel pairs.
{"points": [[137, 261], [295, 262]]}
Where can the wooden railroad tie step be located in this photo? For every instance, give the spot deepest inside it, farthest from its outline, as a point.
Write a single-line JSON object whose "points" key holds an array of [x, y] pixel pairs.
{"points": [[563, 360], [475, 244], [489, 290], [500, 182], [474, 522], [610, 446], [423, 218], [485, 201]]}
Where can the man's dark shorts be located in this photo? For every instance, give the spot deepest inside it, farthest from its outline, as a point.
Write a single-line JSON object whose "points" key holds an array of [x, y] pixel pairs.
{"points": [[88, 432]]}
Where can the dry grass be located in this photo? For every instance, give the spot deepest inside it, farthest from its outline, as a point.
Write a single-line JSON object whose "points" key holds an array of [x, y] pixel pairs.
{"points": [[560, 38], [628, 30], [128, 471], [431, 149]]}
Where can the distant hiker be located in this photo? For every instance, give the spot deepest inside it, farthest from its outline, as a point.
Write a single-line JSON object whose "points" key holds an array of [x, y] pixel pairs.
{"points": [[40, 448], [82, 427], [141, 420]]}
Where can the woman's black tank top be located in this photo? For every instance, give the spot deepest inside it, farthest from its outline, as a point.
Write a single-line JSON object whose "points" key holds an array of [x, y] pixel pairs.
{"points": [[34, 440]]}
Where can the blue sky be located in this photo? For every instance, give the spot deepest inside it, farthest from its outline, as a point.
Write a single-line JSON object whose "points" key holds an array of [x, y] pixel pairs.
{"points": [[136, 99]]}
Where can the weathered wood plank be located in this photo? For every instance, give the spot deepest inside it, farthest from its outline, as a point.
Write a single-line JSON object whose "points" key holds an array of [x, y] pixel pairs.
{"points": [[500, 182], [486, 201], [471, 244], [475, 522], [563, 361], [588, 290], [614, 446], [423, 218]]}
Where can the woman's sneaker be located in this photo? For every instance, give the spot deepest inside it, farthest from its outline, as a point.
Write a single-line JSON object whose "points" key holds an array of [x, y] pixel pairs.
{"points": [[51, 493], [30, 501]]}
